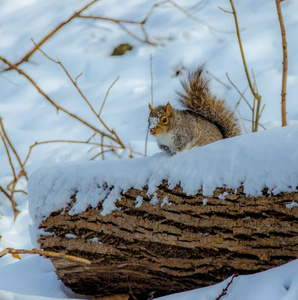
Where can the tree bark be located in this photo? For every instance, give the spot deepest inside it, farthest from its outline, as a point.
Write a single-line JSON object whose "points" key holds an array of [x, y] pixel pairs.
{"points": [[187, 243]]}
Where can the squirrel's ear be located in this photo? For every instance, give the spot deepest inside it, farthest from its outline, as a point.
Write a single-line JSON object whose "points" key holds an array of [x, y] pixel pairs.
{"points": [[150, 106], [169, 109]]}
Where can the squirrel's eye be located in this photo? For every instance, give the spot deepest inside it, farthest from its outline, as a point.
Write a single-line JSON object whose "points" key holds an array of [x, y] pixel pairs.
{"points": [[164, 120]]}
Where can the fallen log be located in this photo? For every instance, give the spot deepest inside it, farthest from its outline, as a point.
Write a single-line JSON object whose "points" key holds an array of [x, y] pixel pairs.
{"points": [[179, 243], [161, 224]]}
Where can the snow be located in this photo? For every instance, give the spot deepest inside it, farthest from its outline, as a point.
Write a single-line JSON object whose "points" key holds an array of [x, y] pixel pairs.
{"points": [[255, 160], [291, 205], [139, 201], [230, 163]]}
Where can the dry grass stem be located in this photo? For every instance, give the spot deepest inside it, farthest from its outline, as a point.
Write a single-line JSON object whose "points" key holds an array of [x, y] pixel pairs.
{"points": [[285, 64], [44, 253]]}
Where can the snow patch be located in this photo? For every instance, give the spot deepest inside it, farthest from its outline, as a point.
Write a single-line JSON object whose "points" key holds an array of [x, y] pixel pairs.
{"points": [[139, 201], [291, 205]]}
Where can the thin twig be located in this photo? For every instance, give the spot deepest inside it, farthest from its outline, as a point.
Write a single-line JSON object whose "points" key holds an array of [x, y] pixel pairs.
{"points": [[242, 121], [13, 203], [63, 141], [91, 137], [9, 157], [130, 151], [102, 150], [48, 36], [100, 153], [195, 18], [44, 253], [252, 122], [76, 86], [4, 192], [84, 97], [12, 148], [285, 64], [218, 80], [107, 93], [138, 153], [241, 97], [241, 94], [258, 97], [58, 107], [225, 290]]}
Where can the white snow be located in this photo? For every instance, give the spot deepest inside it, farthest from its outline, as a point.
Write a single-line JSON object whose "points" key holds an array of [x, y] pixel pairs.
{"points": [[205, 201], [164, 201], [139, 201], [227, 163], [256, 160], [291, 205]]}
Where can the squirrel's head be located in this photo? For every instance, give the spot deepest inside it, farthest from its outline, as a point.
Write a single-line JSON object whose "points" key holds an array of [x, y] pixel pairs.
{"points": [[160, 119]]}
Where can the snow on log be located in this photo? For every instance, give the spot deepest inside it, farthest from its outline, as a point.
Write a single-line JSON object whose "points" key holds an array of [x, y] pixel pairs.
{"points": [[167, 224]]}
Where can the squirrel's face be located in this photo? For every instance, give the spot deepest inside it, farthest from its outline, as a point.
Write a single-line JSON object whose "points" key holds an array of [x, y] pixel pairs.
{"points": [[160, 119]]}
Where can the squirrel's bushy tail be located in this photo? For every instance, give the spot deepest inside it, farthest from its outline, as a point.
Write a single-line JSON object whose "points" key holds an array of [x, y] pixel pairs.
{"points": [[197, 97]]}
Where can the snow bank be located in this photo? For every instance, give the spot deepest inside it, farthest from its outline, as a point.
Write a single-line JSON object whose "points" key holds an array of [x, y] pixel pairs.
{"points": [[259, 160]]}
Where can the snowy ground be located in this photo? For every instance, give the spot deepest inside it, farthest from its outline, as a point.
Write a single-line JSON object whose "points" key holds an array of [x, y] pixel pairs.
{"points": [[85, 46]]}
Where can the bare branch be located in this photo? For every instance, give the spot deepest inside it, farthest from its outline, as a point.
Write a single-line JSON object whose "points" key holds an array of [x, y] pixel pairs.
{"points": [[106, 96], [58, 107], [241, 94], [83, 96], [13, 203], [255, 113], [49, 35], [258, 97], [12, 148], [65, 141], [218, 80], [8, 155], [225, 290], [44, 253], [285, 64]]}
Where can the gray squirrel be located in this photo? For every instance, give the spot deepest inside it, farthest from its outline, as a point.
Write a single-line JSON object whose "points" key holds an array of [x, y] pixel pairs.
{"points": [[205, 120]]}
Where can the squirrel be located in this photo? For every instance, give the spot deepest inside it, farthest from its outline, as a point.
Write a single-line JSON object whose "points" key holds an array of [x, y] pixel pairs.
{"points": [[204, 120]]}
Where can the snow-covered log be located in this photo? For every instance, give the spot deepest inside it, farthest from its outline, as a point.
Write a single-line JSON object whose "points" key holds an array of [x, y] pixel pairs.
{"points": [[167, 224]]}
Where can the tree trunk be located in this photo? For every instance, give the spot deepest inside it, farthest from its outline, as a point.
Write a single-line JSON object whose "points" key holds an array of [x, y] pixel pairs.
{"points": [[180, 243]]}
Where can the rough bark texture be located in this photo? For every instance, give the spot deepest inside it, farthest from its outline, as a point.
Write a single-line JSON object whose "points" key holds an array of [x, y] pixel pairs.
{"points": [[166, 248]]}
